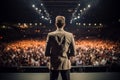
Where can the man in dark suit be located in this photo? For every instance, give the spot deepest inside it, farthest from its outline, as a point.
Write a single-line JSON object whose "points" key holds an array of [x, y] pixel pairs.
{"points": [[60, 46]]}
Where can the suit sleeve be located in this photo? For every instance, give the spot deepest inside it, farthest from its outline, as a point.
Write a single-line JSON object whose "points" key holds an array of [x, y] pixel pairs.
{"points": [[72, 47], [48, 46]]}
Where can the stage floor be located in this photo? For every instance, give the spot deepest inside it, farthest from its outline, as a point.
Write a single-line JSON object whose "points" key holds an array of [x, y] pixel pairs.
{"points": [[74, 76]]}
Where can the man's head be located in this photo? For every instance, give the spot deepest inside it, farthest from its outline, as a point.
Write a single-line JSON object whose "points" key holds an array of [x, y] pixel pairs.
{"points": [[60, 21]]}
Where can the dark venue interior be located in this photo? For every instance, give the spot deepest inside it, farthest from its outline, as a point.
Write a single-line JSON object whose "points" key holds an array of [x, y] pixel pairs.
{"points": [[24, 25]]}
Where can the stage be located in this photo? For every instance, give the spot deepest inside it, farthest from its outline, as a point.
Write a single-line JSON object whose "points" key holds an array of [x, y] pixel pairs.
{"points": [[74, 76]]}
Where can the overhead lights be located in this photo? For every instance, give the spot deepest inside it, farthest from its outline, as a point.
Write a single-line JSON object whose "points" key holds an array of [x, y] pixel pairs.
{"points": [[33, 5], [78, 17], [80, 10], [41, 11], [100, 24], [78, 4], [95, 24], [36, 8], [30, 24], [19, 24], [89, 6], [84, 24], [89, 24], [42, 16], [41, 4], [75, 18], [36, 24], [84, 9]]}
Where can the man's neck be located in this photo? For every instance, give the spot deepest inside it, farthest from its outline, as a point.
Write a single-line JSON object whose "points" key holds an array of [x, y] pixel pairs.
{"points": [[60, 29]]}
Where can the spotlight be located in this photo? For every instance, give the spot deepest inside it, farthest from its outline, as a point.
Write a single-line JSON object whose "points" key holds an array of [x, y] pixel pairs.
{"points": [[80, 10], [42, 16], [100, 24], [3, 26], [76, 23], [78, 4], [46, 18], [30, 24], [50, 21], [79, 24], [36, 9], [78, 17], [84, 9], [19, 24], [89, 6], [33, 5], [75, 10], [89, 24], [45, 11], [41, 4], [40, 24], [75, 18], [71, 22], [40, 10], [84, 24], [35, 24], [95, 24]]}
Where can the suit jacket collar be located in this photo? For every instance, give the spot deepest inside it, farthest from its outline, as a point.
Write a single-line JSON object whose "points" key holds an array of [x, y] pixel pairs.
{"points": [[60, 29]]}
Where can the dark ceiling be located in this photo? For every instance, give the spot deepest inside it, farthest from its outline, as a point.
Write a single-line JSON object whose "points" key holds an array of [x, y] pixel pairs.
{"points": [[21, 10]]}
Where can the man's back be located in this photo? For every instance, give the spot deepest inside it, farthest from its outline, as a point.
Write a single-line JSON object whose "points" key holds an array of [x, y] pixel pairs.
{"points": [[60, 48]]}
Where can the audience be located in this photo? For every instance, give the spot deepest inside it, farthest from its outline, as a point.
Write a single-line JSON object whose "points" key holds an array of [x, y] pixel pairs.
{"points": [[31, 53]]}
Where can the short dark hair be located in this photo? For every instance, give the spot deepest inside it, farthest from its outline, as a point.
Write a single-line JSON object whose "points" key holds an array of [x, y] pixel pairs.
{"points": [[60, 21]]}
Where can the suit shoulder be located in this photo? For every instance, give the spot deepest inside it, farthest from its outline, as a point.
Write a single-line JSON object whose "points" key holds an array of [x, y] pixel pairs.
{"points": [[68, 33], [51, 33]]}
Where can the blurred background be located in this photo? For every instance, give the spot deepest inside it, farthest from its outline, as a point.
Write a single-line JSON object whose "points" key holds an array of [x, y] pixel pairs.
{"points": [[24, 25]]}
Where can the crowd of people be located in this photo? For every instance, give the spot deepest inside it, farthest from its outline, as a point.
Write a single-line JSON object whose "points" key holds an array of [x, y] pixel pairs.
{"points": [[95, 52], [23, 53]]}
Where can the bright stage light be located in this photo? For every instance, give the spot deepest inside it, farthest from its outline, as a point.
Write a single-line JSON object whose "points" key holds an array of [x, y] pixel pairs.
{"points": [[41, 4], [50, 21], [70, 21], [80, 10], [78, 4], [40, 24], [45, 11], [76, 23], [33, 5], [100, 24], [36, 9], [75, 18], [78, 17], [46, 18], [40, 10], [89, 6], [75, 10], [19, 24], [30, 24], [36, 24], [84, 24], [42, 16], [79, 24], [3, 26], [89, 24], [84, 9], [95, 24]]}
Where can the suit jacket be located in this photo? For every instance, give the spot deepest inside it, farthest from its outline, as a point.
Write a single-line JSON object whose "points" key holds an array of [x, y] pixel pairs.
{"points": [[59, 47]]}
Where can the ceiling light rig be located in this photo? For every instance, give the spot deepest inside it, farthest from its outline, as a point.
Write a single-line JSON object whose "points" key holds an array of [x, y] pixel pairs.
{"points": [[79, 12], [44, 15]]}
